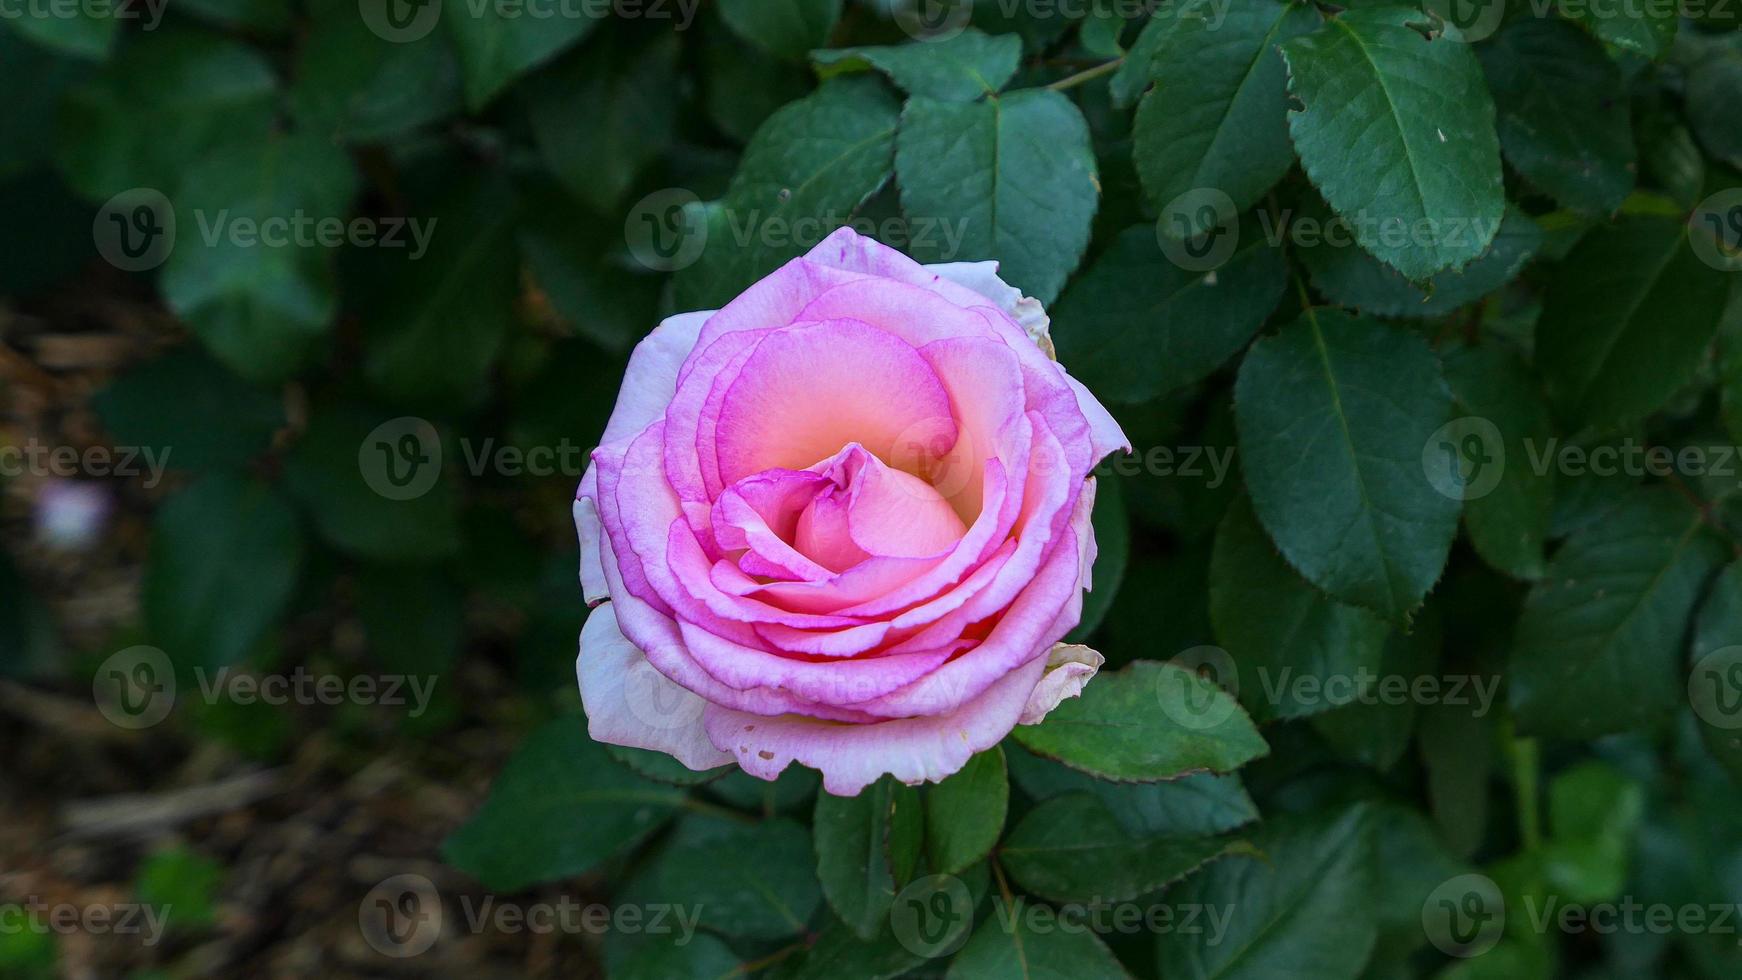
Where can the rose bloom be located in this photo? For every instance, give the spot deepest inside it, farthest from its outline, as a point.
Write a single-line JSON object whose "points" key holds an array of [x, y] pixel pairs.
{"points": [[842, 521]]}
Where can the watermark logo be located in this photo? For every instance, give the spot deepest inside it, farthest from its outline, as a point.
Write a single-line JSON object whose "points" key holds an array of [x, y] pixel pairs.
{"points": [[1464, 916], [135, 688], [932, 916], [666, 230], [1189, 702], [1199, 230], [1465, 458], [134, 231], [402, 916], [1469, 20], [400, 21], [658, 702], [933, 20], [1715, 688], [1715, 230], [402, 458]]}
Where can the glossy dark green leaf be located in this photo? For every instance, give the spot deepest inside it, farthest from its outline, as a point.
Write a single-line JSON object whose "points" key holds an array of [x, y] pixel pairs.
{"points": [[1563, 112], [1012, 177], [1379, 98], [1146, 722], [1598, 646], [960, 68], [1134, 325], [1335, 413], [964, 814], [749, 880], [856, 838], [1350, 276], [1071, 849], [1626, 321], [1506, 513], [559, 807], [1199, 805], [1304, 907], [1217, 117], [1715, 682], [1298, 651], [815, 161], [1021, 950]]}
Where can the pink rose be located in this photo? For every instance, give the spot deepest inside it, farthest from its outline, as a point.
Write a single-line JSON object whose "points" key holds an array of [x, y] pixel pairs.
{"points": [[845, 523]]}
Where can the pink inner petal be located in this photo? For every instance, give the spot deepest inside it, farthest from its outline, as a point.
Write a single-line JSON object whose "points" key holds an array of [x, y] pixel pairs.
{"points": [[811, 389]]}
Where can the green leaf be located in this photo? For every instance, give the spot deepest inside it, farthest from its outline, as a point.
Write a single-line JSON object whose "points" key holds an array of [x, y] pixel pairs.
{"points": [[119, 134], [1376, 729], [182, 882], [1013, 176], [854, 840], [559, 807], [1334, 412], [435, 319], [1508, 517], [1297, 650], [497, 45], [838, 953], [600, 116], [787, 28], [1115, 731], [1071, 849], [1217, 115], [1304, 908], [1397, 132], [1594, 814], [961, 68], [77, 32], [1135, 73], [1352, 277], [335, 474], [997, 952], [1598, 645], [1563, 113], [701, 956], [225, 556], [741, 93], [817, 159], [259, 298], [1135, 325], [1715, 683], [1714, 85], [38, 80], [1647, 29], [192, 409], [1626, 321], [1199, 805], [662, 768], [753, 881], [964, 814], [351, 84], [267, 16]]}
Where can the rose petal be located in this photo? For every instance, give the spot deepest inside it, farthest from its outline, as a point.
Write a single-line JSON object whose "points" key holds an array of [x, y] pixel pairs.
{"points": [[851, 757], [1068, 667], [630, 703]]}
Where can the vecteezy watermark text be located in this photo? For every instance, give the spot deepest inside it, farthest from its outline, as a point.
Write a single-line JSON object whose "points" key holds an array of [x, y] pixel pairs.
{"points": [[42, 918], [38, 459]]}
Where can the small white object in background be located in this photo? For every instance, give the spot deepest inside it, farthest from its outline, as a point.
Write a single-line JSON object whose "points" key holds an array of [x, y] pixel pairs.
{"points": [[71, 514]]}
